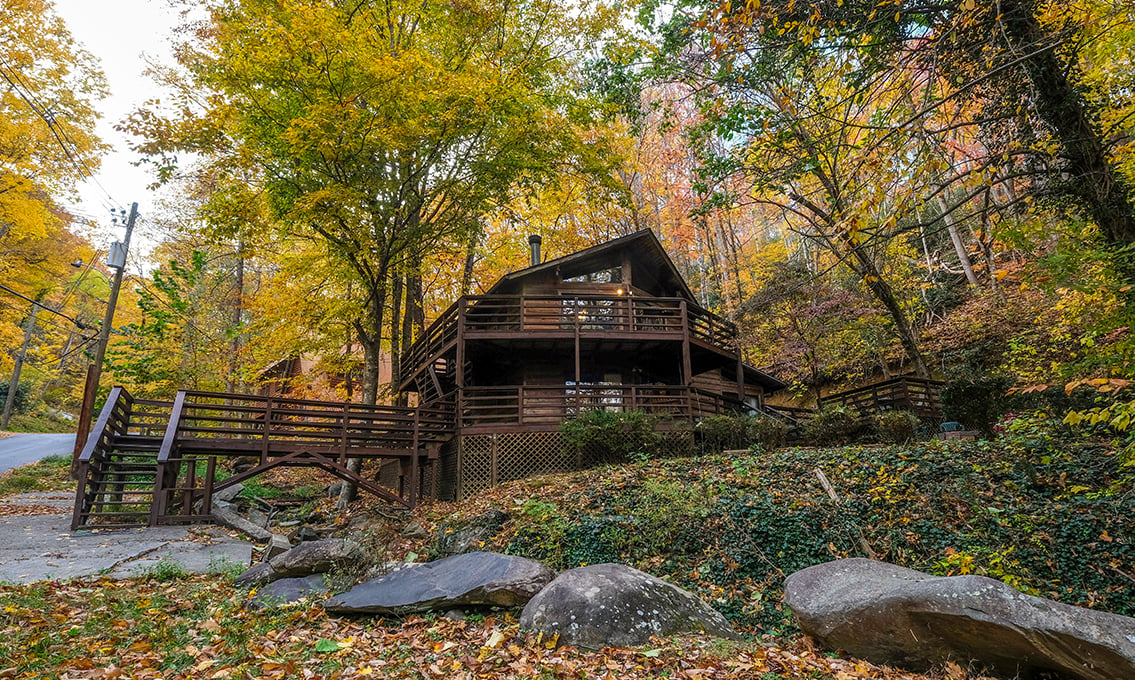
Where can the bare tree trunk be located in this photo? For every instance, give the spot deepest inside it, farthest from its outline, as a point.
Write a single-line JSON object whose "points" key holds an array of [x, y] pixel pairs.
{"points": [[238, 306], [956, 239], [369, 331], [396, 340], [470, 260]]}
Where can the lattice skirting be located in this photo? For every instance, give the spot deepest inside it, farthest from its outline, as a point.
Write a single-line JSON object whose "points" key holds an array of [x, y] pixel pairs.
{"points": [[474, 463]]}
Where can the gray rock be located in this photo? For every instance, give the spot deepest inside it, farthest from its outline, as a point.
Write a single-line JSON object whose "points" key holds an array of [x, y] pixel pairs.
{"points": [[892, 615], [227, 494], [614, 605], [224, 513], [258, 575], [303, 534], [414, 530], [384, 568], [277, 545], [317, 557], [286, 591], [470, 536], [469, 579]]}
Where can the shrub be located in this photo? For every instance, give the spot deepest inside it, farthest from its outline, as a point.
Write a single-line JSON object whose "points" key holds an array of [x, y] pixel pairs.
{"points": [[19, 401], [769, 433], [612, 436], [832, 424], [723, 431], [896, 427], [977, 402]]}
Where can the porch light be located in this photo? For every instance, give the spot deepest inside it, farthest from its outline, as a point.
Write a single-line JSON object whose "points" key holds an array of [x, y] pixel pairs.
{"points": [[619, 291]]}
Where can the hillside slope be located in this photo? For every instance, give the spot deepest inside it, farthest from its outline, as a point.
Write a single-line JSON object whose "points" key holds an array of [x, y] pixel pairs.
{"points": [[1048, 516]]}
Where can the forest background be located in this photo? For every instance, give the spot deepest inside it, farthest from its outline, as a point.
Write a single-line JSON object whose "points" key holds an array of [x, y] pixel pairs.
{"points": [[867, 188]]}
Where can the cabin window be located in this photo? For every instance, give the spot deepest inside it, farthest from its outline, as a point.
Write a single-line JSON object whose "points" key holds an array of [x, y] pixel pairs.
{"points": [[591, 313], [610, 275], [594, 392]]}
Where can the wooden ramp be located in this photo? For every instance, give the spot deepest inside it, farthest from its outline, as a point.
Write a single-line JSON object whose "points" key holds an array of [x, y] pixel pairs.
{"points": [[153, 462]]}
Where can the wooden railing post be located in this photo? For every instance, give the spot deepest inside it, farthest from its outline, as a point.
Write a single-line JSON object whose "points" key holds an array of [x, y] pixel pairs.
{"points": [[459, 370], [163, 481], [343, 433], [687, 368], [265, 437], [520, 405], [412, 496]]}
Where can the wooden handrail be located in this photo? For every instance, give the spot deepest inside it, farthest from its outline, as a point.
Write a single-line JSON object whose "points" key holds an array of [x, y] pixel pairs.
{"points": [[169, 439], [104, 420]]}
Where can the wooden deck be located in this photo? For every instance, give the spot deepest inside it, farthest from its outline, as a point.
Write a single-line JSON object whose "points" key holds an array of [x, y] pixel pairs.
{"points": [[506, 317], [164, 455], [920, 396], [519, 408]]}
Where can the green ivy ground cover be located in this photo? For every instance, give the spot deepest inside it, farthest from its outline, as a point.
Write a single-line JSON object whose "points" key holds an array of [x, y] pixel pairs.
{"points": [[1048, 516]]}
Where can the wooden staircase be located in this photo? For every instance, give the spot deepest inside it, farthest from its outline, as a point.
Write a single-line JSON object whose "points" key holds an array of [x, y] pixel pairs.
{"points": [[118, 468], [120, 492], [155, 462]]}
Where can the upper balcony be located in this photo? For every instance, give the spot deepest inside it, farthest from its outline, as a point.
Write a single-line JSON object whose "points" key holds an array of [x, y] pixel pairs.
{"points": [[565, 316]]}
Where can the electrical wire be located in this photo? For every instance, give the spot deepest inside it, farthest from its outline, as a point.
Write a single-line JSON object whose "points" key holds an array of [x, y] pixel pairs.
{"points": [[25, 92], [44, 307]]}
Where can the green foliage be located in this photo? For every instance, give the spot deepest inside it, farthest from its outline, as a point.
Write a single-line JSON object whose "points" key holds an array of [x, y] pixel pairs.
{"points": [[40, 418], [165, 569], [766, 432], [1117, 418], [50, 474], [832, 424], [739, 431], [612, 435], [976, 402], [20, 402], [896, 427], [722, 431]]}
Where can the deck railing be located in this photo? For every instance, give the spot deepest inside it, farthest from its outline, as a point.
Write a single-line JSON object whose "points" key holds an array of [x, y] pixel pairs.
{"points": [[255, 425], [542, 407], [568, 315], [906, 393]]}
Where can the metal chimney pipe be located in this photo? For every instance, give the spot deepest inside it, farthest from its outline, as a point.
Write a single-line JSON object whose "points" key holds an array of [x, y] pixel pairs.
{"points": [[534, 249]]}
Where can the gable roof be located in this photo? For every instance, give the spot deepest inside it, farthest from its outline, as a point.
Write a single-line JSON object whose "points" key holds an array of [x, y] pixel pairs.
{"points": [[642, 246]]}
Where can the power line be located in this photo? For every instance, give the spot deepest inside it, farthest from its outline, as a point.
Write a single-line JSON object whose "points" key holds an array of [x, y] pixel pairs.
{"points": [[39, 304], [26, 93]]}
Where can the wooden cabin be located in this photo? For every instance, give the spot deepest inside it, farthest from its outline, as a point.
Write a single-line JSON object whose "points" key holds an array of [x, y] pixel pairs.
{"points": [[612, 327]]}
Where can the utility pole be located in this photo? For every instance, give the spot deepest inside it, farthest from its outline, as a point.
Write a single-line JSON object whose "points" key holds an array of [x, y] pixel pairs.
{"points": [[117, 260], [15, 382]]}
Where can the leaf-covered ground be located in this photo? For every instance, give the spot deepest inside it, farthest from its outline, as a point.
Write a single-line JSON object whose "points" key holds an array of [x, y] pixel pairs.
{"points": [[196, 628], [1038, 510]]}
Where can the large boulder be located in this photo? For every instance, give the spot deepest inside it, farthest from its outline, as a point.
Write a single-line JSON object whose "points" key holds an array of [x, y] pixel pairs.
{"points": [[316, 557], [893, 615], [469, 579], [614, 605]]}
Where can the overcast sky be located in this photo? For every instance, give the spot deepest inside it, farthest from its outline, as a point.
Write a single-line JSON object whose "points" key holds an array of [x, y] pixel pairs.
{"points": [[121, 34]]}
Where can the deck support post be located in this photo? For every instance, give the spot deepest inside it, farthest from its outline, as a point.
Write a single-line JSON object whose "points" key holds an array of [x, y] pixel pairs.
{"points": [[459, 369], [687, 369], [740, 377], [412, 496], [575, 324]]}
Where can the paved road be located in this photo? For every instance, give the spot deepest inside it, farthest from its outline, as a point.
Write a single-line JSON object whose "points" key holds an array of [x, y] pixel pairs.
{"points": [[21, 449]]}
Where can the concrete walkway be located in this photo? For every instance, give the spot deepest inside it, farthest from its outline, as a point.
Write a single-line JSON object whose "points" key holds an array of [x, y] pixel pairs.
{"points": [[23, 448], [41, 546]]}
